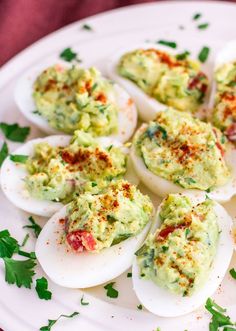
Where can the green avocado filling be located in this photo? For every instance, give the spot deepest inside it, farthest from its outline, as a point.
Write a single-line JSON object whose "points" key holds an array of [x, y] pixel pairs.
{"points": [[178, 257], [74, 98], [171, 80], [185, 151], [62, 173], [95, 222], [224, 112]]}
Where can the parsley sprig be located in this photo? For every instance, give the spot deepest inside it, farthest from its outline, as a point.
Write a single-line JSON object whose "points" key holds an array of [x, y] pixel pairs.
{"points": [[34, 226], [19, 272], [219, 319], [69, 55], [3, 152], [53, 322]]}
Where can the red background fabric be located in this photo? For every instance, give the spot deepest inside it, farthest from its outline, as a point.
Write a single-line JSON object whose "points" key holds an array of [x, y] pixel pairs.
{"points": [[24, 21]]}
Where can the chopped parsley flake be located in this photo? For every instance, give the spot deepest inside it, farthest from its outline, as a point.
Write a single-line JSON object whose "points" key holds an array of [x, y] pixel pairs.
{"points": [[187, 231], [69, 55], [83, 303], [129, 274], [19, 272], [14, 132], [182, 56], [140, 307], [203, 26], [53, 322], [197, 16], [203, 54], [165, 248], [171, 44], [18, 158], [34, 226], [111, 292], [233, 273], [87, 27], [3, 153], [190, 180], [42, 289]]}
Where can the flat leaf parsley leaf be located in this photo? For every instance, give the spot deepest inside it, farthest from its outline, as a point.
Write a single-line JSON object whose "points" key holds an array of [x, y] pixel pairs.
{"points": [[111, 292], [19, 272], [18, 158], [34, 226], [42, 289], [52, 322], [8, 245], [3, 153], [14, 132], [69, 55]]}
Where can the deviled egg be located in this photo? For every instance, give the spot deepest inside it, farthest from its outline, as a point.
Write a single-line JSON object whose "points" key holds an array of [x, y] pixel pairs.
{"points": [[156, 78], [178, 152], [185, 256], [223, 95], [59, 168], [64, 99], [93, 239]]}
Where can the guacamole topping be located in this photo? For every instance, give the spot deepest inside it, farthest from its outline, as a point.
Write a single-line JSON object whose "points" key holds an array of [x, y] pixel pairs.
{"points": [[178, 83], [179, 255], [184, 150], [62, 173], [95, 222], [224, 112], [74, 98]]}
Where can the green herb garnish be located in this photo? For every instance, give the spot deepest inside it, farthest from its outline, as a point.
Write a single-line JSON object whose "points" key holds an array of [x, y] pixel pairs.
{"points": [[197, 16], [3, 153], [87, 27], [19, 158], [25, 240], [8, 244], [19, 272], [14, 132], [82, 302], [233, 273], [182, 56], [204, 53], [42, 289], [34, 226], [164, 248], [218, 317], [129, 274], [140, 307], [190, 180], [120, 237], [94, 184], [69, 55], [53, 322], [111, 292], [203, 26], [171, 44], [187, 231]]}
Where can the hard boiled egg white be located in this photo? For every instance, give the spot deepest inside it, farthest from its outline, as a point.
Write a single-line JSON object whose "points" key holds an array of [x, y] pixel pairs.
{"points": [[82, 270], [147, 106], [164, 303], [226, 55], [127, 115], [13, 174], [162, 186]]}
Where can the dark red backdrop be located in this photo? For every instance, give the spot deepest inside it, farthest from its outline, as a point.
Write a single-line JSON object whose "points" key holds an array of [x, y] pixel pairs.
{"points": [[24, 21]]}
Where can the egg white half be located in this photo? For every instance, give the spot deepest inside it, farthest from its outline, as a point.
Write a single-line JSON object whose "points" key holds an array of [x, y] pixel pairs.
{"points": [[81, 270], [13, 174], [127, 115], [225, 55], [162, 186], [163, 303]]}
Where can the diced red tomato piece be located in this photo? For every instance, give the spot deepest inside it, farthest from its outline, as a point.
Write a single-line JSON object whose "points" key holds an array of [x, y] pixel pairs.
{"points": [[81, 240]]}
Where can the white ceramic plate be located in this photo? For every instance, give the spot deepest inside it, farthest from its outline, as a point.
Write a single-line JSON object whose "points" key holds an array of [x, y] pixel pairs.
{"points": [[20, 309]]}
